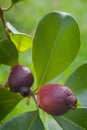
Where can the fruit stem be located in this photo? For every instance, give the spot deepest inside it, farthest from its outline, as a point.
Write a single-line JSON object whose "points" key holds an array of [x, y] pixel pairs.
{"points": [[37, 105]]}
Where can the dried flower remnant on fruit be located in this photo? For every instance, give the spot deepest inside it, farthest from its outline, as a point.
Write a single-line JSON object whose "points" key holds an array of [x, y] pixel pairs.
{"points": [[56, 99]]}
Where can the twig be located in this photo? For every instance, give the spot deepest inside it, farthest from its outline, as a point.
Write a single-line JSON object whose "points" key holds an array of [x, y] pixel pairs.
{"points": [[3, 22]]}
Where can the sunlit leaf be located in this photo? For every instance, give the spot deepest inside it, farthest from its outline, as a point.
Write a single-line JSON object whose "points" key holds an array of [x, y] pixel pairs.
{"points": [[55, 45], [21, 40], [8, 100], [26, 121], [73, 120], [8, 53], [78, 83]]}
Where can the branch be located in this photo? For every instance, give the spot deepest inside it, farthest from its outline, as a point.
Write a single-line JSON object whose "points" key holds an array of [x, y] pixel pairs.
{"points": [[3, 22]]}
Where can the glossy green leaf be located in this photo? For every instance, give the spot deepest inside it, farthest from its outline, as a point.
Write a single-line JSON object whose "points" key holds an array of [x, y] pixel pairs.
{"points": [[8, 100], [78, 79], [73, 120], [8, 53], [55, 45], [26, 121], [22, 41], [78, 83], [78, 116], [52, 125]]}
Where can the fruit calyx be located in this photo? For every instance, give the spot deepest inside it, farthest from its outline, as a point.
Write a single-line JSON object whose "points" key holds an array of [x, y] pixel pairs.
{"points": [[25, 91]]}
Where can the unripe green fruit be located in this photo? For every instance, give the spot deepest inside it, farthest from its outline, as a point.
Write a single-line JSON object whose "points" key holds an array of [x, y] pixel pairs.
{"points": [[56, 99], [20, 80]]}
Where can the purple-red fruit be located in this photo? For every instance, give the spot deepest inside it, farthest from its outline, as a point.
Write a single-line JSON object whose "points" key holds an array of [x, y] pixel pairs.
{"points": [[56, 99], [20, 80]]}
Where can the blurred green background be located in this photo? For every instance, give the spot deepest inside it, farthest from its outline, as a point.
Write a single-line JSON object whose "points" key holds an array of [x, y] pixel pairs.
{"points": [[25, 15]]}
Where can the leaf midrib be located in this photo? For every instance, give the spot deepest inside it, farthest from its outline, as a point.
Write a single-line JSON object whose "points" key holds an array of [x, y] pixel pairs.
{"points": [[50, 55], [32, 122]]}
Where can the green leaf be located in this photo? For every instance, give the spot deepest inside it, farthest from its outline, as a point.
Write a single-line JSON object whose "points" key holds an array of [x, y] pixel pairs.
{"points": [[78, 116], [22, 41], [66, 124], [26, 121], [55, 45], [8, 100], [78, 79], [78, 83], [52, 125], [73, 120], [8, 53]]}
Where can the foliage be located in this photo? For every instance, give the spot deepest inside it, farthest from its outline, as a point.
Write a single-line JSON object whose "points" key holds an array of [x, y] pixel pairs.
{"points": [[62, 46], [8, 100], [8, 53], [26, 121], [22, 41], [54, 47], [77, 82]]}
